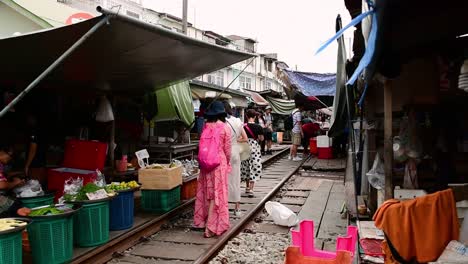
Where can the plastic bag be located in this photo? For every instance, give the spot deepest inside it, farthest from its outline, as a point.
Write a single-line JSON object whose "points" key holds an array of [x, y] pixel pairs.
{"points": [[281, 215], [104, 111], [71, 187], [32, 188], [100, 179], [410, 180], [376, 175]]}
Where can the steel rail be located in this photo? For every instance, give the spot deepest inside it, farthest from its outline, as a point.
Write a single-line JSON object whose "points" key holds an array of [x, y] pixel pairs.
{"points": [[222, 241], [105, 253]]}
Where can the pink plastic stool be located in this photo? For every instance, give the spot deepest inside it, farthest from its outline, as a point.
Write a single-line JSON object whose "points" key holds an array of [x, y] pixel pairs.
{"points": [[304, 238]]}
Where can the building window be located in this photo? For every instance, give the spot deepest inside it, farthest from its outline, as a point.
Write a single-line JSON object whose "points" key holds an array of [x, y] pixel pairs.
{"points": [[133, 14], [245, 82], [216, 78], [267, 85]]}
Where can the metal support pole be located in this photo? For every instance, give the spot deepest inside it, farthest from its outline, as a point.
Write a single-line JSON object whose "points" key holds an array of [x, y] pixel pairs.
{"points": [[184, 16], [388, 142], [54, 65]]}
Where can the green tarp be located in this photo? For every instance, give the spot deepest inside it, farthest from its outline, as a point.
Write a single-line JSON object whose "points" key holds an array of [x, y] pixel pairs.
{"points": [[281, 106], [175, 103]]}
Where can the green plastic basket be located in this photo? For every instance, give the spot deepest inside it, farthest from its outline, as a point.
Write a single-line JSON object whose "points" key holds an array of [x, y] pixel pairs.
{"points": [[160, 201], [51, 239], [11, 248], [92, 224], [33, 202]]}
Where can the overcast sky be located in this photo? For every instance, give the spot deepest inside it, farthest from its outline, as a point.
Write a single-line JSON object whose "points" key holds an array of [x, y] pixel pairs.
{"points": [[294, 29]]}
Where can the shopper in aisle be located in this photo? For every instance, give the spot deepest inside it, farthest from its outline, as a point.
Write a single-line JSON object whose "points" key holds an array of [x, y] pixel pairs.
{"points": [[260, 121], [211, 204], [251, 169], [238, 135], [268, 118], [297, 133]]}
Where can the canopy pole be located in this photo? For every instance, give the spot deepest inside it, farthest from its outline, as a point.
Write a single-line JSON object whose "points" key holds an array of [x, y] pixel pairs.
{"points": [[388, 142], [54, 65]]}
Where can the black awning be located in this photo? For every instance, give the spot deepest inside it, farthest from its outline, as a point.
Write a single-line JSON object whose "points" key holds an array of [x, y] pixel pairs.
{"points": [[127, 55]]}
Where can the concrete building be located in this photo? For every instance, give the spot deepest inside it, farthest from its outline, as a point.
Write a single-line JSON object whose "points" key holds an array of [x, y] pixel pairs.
{"points": [[258, 75]]}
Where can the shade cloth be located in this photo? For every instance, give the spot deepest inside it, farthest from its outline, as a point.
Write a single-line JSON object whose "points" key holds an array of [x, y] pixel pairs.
{"points": [[175, 103], [339, 118], [313, 84], [258, 99], [281, 106], [127, 56]]}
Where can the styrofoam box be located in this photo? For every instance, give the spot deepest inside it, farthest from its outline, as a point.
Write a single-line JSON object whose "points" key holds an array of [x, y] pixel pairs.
{"points": [[406, 194], [323, 142]]}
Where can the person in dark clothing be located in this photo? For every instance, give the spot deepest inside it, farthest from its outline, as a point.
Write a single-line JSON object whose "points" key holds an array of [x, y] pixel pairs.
{"points": [[251, 169], [36, 152], [310, 130], [9, 207]]}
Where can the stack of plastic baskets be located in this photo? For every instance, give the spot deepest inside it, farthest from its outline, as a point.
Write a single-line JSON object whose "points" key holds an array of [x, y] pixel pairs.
{"points": [[121, 210], [160, 201], [92, 223], [51, 238], [10, 244], [32, 202]]}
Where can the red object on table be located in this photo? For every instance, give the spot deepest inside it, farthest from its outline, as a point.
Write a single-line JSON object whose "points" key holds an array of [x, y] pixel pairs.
{"points": [[372, 247], [81, 160], [325, 153], [313, 146]]}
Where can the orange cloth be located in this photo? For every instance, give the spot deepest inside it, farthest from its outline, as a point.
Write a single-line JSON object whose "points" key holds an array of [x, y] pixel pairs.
{"points": [[294, 256], [420, 228]]}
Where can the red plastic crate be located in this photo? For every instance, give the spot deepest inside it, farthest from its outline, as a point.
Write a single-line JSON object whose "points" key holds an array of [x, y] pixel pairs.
{"points": [[313, 146], [81, 160], [189, 189], [325, 153]]}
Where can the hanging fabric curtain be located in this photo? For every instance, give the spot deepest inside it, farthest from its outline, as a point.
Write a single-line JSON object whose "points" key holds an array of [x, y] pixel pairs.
{"points": [[175, 103], [281, 106]]}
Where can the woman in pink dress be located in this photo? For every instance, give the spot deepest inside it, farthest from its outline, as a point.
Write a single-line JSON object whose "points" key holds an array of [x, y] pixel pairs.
{"points": [[211, 204]]}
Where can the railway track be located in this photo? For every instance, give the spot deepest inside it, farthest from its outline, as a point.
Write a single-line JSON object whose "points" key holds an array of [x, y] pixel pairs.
{"points": [[169, 238]]}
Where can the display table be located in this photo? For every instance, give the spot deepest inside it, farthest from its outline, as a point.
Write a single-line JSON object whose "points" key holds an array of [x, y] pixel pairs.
{"points": [[166, 152]]}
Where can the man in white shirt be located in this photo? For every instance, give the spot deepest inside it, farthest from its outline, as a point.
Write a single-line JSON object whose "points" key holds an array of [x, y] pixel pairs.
{"points": [[297, 133]]}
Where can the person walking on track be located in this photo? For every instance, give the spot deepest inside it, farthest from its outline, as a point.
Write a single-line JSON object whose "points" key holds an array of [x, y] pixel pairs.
{"points": [[268, 118], [251, 169], [211, 204], [297, 133], [238, 135]]}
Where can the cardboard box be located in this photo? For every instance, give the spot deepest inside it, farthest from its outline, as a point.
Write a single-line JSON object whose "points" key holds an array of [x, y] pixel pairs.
{"points": [[160, 179]]}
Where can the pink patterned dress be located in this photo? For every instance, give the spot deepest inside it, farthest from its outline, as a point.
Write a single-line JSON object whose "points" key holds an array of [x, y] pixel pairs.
{"points": [[214, 186]]}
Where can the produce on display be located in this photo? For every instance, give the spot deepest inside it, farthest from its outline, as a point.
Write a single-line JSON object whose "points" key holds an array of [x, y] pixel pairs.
{"points": [[122, 186], [81, 194], [7, 224], [49, 210]]}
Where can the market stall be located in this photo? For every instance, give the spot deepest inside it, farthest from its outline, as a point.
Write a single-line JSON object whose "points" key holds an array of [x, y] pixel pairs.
{"points": [[111, 58]]}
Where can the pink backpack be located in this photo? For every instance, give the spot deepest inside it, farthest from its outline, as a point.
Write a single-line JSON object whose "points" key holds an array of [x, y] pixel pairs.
{"points": [[208, 156]]}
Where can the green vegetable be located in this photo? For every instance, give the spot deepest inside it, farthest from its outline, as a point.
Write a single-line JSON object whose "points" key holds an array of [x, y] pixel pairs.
{"points": [[45, 211], [88, 188]]}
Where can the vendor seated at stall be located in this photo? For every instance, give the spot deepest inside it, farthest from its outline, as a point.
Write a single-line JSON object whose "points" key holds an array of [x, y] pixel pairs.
{"points": [[8, 206]]}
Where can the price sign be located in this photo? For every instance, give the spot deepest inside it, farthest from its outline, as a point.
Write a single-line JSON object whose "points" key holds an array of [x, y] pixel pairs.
{"points": [[100, 194]]}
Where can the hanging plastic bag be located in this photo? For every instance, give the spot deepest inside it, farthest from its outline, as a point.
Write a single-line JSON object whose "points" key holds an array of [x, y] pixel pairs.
{"points": [[100, 179], [376, 175], [71, 188], [281, 215], [104, 111], [32, 188], [410, 180]]}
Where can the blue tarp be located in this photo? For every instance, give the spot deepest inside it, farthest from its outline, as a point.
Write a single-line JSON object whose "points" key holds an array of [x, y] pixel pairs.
{"points": [[313, 84]]}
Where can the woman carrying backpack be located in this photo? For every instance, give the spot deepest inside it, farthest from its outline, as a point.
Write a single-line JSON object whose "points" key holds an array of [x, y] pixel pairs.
{"points": [[251, 169], [211, 204]]}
